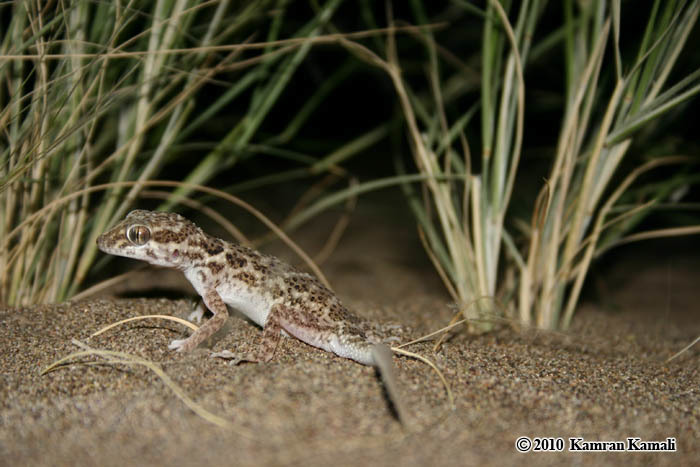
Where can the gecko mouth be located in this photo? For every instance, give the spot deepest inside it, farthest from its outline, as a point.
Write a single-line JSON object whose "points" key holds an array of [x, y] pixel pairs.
{"points": [[103, 243]]}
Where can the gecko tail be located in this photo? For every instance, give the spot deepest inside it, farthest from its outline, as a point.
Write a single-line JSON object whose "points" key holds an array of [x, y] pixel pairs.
{"points": [[384, 362]]}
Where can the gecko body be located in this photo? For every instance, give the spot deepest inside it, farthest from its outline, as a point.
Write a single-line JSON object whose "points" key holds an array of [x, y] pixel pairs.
{"points": [[271, 293]]}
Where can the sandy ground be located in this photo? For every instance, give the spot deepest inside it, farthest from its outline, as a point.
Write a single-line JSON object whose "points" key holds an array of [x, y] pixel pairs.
{"points": [[605, 379]]}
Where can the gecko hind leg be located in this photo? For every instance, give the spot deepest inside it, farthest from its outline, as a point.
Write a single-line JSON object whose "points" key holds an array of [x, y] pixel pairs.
{"points": [[266, 348]]}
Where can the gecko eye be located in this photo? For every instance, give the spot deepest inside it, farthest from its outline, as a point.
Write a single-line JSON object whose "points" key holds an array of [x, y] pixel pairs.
{"points": [[138, 234]]}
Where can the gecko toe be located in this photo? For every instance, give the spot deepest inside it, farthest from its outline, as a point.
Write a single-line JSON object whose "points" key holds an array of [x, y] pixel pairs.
{"points": [[197, 314], [178, 345], [225, 354], [233, 358]]}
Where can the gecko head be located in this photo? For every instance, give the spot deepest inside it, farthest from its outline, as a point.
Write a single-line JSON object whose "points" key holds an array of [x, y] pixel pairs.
{"points": [[160, 238]]}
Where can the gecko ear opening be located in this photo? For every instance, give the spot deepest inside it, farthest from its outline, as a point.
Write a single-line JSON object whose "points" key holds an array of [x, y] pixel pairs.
{"points": [[138, 234]]}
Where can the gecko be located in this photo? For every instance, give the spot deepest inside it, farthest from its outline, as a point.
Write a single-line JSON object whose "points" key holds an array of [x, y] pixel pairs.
{"points": [[276, 296]]}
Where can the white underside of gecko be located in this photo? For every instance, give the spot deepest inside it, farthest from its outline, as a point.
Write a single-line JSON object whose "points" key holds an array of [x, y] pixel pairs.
{"points": [[240, 298]]}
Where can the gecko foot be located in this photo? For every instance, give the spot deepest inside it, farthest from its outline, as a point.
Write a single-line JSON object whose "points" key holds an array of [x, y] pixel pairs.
{"points": [[181, 345], [234, 359], [197, 314]]}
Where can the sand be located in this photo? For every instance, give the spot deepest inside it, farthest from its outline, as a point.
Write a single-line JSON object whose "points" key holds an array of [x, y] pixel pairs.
{"points": [[606, 378]]}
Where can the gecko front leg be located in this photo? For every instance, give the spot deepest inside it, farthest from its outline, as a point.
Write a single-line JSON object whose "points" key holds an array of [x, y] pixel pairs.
{"points": [[216, 305]]}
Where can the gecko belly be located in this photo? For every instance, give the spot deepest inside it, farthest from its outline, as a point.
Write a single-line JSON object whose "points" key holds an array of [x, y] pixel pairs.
{"points": [[253, 306]]}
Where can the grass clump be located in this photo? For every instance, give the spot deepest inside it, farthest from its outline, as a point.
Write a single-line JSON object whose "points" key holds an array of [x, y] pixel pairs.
{"points": [[96, 92], [110, 95], [536, 267]]}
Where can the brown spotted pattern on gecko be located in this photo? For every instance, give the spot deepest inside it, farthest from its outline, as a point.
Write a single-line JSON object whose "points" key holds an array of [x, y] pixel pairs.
{"points": [[271, 293]]}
